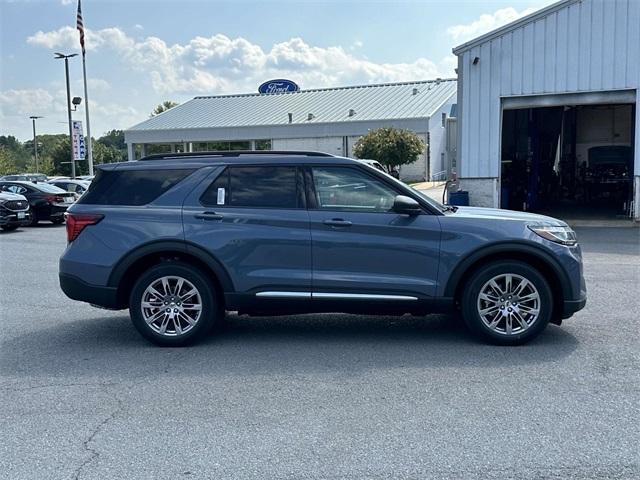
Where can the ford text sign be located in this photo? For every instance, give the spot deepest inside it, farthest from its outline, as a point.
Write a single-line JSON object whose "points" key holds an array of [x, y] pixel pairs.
{"points": [[278, 86]]}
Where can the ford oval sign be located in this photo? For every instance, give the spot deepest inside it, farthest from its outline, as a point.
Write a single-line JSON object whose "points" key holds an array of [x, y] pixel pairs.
{"points": [[278, 86]]}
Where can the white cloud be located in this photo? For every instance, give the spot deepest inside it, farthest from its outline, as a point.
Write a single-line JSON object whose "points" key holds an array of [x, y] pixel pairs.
{"points": [[66, 2], [485, 23], [219, 64], [64, 37], [137, 26], [97, 84], [25, 102], [17, 105]]}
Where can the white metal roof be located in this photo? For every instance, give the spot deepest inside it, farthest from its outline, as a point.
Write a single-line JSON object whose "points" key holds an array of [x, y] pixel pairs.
{"points": [[328, 105]]}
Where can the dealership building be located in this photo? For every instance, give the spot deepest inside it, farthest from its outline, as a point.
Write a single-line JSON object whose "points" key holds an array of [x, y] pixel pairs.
{"points": [[547, 111], [329, 120]]}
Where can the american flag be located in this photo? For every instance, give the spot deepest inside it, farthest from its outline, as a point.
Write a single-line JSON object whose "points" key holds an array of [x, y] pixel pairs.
{"points": [[80, 26]]}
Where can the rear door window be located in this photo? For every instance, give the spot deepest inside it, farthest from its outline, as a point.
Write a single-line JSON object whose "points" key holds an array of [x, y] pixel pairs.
{"points": [[131, 187], [256, 187]]}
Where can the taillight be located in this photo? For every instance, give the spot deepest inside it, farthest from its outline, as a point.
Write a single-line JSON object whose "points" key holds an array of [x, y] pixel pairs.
{"points": [[54, 198], [76, 222]]}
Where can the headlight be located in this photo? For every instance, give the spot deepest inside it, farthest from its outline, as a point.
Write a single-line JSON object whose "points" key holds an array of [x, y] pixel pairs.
{"points": [[558, 234]]}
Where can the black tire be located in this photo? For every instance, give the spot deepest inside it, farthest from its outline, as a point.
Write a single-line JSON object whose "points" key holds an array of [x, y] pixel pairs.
{"points": [[57, 221], [9, 228], [472, 290], [210, 314], [34, 219]]}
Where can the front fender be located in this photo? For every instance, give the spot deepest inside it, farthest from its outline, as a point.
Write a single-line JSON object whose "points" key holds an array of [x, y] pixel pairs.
{"points": [[516, 248]]}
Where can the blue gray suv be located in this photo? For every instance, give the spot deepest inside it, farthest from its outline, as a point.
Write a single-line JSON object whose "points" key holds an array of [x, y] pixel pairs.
{"points": [[181, 238]]}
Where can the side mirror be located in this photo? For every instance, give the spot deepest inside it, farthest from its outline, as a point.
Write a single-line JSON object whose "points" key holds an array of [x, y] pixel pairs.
{"points": [[406, 205]]}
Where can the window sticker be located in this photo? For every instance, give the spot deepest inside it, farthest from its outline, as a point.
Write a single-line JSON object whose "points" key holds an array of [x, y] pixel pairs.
{"points": [[221, 194]]}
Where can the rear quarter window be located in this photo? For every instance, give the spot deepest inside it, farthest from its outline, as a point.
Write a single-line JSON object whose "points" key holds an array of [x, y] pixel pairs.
{"points": [[131, 187]]}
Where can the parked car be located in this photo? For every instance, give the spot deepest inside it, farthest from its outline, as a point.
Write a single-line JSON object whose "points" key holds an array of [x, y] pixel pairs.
{"points": [[86, 178], [47, 201], [609, 174], [14, 211], [25, 177], [184, 237], [77, 187]]}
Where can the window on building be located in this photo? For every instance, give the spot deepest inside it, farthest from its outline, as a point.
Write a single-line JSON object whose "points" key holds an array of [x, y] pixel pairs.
{"points": [[263, 144], [200, 147], [221, 146], [256, 187], [158, 148], [242, 145], [339, 188]]}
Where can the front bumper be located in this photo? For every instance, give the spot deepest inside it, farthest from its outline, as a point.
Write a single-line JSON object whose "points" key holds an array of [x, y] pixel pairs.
{"points": [[76, 289], [12, 218], [572, 306]]}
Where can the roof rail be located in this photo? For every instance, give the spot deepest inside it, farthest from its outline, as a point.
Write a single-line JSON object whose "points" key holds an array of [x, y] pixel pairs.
{"points": [[233, 153]]}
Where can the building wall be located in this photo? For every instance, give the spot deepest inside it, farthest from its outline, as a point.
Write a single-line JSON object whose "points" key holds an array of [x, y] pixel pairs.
{"points": [[579, 46], [417, 171], [339, 145], [332, 145], [438, 142]]}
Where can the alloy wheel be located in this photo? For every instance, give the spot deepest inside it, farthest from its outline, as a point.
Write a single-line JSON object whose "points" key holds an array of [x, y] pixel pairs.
{"points": [[508, 304], [171, 306]]}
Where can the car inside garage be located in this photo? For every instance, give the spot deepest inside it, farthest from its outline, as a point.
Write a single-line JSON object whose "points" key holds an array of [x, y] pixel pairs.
{"points": [[573, 161]]}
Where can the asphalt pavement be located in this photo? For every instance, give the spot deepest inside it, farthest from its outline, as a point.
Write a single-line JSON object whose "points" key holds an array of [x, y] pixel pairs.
{"points": [[82, 395]]}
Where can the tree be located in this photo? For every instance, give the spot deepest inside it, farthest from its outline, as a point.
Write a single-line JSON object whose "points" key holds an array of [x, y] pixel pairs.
{"points": [[7, 161], [114, 139], [61, 157], [107, 154], [390, 146], [163, 107], [15, 152]]}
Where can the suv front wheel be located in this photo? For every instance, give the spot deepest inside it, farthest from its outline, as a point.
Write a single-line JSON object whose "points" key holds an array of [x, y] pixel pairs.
{"points": [[173, 304], [507, 303]]}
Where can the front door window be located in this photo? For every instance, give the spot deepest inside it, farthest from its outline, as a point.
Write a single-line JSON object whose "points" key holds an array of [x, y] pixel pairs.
{"points": [[351, 190]]}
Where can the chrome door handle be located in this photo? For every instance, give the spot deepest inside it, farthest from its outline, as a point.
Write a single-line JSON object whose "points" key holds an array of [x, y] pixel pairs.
{"points": [[209, 216], [337, 222]]}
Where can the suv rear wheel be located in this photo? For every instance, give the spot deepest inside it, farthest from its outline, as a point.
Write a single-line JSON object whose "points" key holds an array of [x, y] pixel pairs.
{"points": [[174, 304], [507, 303]]}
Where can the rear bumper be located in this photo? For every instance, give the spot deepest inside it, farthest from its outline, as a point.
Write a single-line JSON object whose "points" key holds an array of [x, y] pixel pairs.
{"points": [[49, 211], [76, 289]]}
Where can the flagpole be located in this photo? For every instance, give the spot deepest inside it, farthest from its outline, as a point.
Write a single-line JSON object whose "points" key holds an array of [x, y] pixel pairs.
{"points": [[80, 28], [86, 111]]}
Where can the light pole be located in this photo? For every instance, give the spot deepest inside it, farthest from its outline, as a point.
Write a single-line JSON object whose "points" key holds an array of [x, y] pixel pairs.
{"points": [[35, 139], [66, 71]]}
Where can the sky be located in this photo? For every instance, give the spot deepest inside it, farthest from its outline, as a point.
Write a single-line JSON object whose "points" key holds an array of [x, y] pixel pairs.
{"points": [[142, 52]]}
